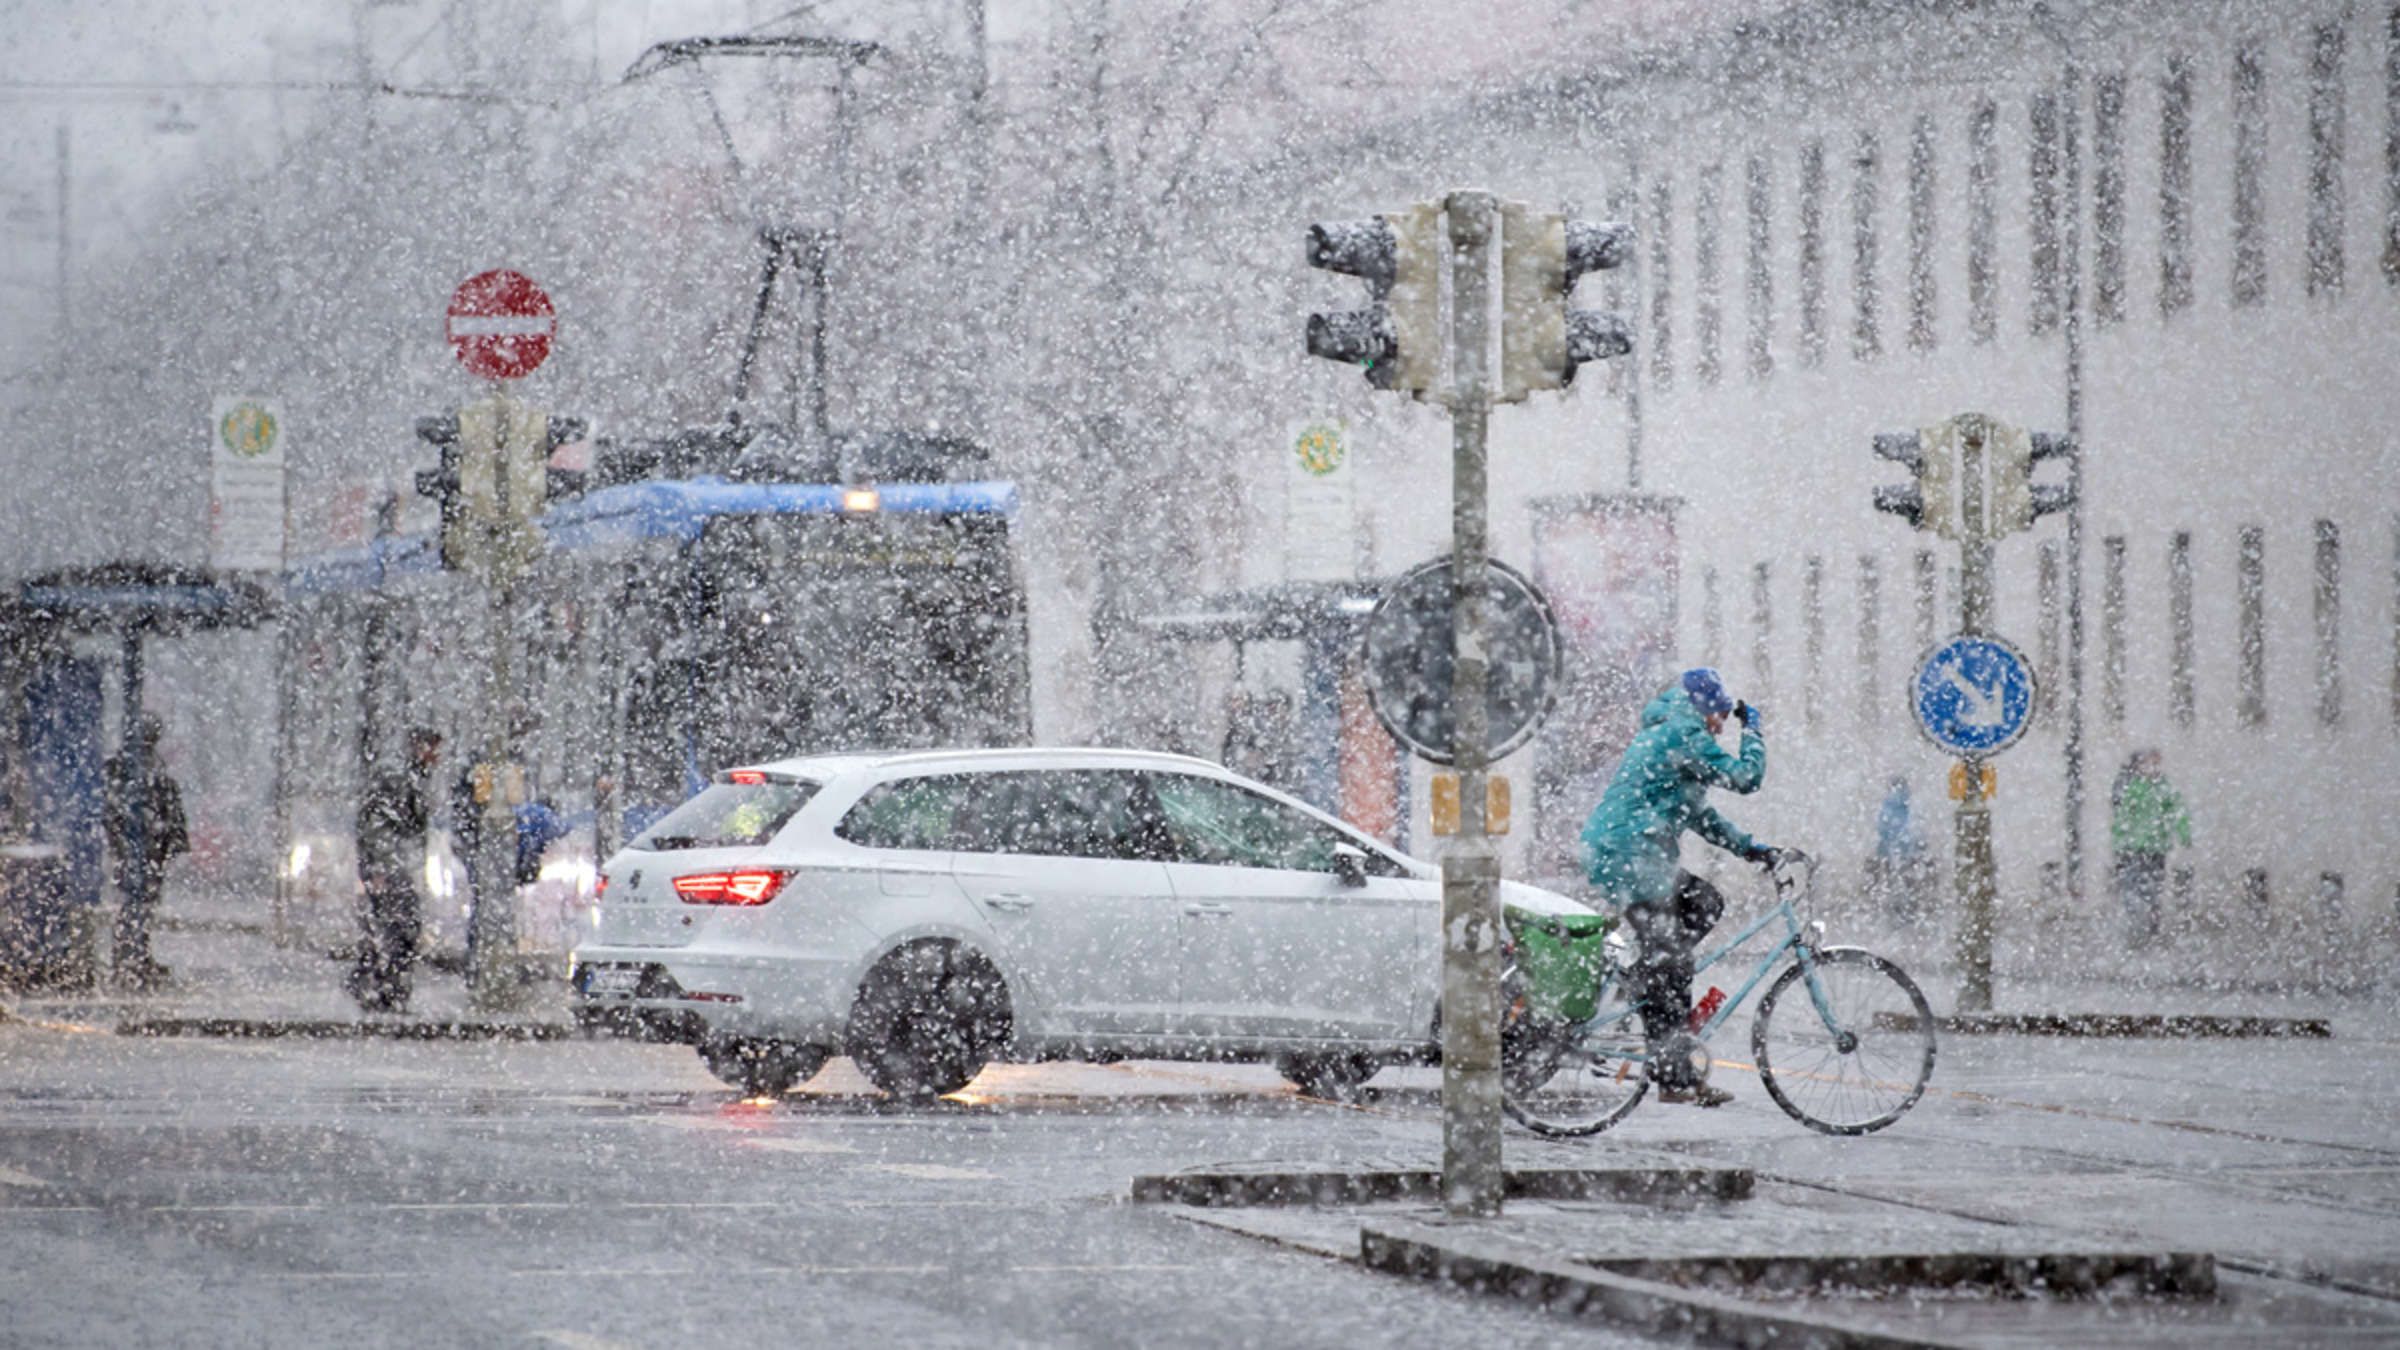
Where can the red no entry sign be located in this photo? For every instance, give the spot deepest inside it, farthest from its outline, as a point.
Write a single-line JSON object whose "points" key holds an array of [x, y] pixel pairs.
{"points": [[501, 324]]}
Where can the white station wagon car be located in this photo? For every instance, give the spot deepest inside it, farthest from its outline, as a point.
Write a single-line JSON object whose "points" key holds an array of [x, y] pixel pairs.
{"points": [[926, 913]]}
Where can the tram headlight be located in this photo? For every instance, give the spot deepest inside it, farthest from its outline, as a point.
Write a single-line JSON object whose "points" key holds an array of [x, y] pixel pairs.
{"points": [[298, 865]]}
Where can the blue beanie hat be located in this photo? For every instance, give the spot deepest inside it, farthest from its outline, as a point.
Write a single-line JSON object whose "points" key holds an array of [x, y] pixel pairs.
{"points": [[1707, 691]]}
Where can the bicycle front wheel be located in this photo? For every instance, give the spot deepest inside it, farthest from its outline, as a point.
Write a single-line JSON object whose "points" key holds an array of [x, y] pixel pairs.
{"points": [[1588, 1078], [1853, 1062]]}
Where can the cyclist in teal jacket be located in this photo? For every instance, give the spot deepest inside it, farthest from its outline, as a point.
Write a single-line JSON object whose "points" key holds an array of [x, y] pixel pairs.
{"points": [[1631, 843]]}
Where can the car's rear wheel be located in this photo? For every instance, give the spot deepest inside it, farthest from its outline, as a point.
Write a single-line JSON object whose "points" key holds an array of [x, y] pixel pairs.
{"points": [[928, 1018], [762, 1067], [1334, 1075]]}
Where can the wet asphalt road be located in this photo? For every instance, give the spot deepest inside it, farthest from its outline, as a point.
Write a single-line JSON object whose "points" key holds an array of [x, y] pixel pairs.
{"points": [[596, 1194]]}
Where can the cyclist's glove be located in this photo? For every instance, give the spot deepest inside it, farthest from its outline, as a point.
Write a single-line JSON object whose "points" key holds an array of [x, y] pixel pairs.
{"points": [[1763, 856], [1752, 716]]}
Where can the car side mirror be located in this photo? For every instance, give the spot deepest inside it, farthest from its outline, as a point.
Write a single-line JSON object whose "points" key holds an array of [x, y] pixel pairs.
{"points": [[1350, 865]]}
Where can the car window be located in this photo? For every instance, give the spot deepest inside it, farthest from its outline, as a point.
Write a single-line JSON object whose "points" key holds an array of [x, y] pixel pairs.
{"points": [[727, 815], [919, 813], [1083, 813], [1225, 825]]}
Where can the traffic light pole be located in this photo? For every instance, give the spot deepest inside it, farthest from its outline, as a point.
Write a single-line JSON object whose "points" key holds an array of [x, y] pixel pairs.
{"points": [[1973, 862], [1472, 1176], [491, 923]]}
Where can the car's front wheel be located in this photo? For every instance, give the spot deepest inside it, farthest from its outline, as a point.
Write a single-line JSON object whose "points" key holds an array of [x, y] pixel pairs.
{"points": [[928, 1018], [762, 1068]]}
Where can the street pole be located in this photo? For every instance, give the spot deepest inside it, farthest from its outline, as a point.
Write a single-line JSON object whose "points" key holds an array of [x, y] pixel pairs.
{"points": [[491, 925], [2073, 245], [1972, 859], [1472, 1175]]}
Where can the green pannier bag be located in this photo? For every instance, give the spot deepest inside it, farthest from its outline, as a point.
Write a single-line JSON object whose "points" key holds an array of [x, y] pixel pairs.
{"points": [[1561, 957]]}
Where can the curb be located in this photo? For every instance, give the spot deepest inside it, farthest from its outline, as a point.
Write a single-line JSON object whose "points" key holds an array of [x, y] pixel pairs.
{"points": [[1485, 1265], [2175, 1026], [1223, 1189], [328, 1029]]}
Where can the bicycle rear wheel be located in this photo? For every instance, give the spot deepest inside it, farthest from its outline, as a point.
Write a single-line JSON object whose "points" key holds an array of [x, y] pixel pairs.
{"points": [[1570, 1081], [1858, 1064]]}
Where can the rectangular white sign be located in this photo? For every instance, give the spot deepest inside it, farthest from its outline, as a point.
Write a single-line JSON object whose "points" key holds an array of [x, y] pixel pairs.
{"points": [[1320, 518], [246, 439]]}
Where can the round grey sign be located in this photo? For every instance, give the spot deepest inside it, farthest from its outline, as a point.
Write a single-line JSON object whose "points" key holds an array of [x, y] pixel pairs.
{"points": [[1409, 663]]}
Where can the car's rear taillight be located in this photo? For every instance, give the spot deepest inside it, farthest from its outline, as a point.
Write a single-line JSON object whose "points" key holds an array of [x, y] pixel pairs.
{"points": [[743, 886]]}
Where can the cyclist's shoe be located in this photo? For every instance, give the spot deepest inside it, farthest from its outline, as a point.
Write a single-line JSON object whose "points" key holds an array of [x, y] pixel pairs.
{"points": [[1701, 1095]]}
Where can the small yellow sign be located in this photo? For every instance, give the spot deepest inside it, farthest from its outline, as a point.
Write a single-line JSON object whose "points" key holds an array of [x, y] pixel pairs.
{"points": [[248, 430], [1445, 804], [1990, 783], [1321, 446]]}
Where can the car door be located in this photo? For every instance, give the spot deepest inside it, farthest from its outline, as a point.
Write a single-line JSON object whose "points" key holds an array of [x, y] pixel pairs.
{"points": [[1082, 909], [1276, 943]]}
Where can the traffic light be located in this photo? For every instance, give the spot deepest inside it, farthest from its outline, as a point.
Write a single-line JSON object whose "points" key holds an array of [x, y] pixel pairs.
{"points": [[1930, 501], [1398, 337], [2018, 501], [442, 484], [1541, 340], [494, 479]]}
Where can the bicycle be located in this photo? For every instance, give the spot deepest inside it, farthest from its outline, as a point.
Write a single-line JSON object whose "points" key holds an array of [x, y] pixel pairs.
{"points": [[1850, 1058]]}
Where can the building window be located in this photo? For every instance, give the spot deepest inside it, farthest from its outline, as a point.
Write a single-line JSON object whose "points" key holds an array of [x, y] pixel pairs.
{"points": [[1623, 296], [2112, 628], [1928, 598], [1759, 302], [1983, 222], [1662, 312], [2175, 187], [2391, 158], [2182, 695], [1812, 253], [2047, 608], [1866, 335], [2042, 214], [2325, 137], [1762, 634], [2249, 176], [2250, 606], [1812, 629], [1920, 234], [1870, 639], [1708, 318], [2108, 199], [1712, 618], [2329, 623]]}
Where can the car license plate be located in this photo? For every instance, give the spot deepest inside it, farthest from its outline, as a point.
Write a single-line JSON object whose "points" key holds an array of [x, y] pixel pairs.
{"points": [[612, 982]]}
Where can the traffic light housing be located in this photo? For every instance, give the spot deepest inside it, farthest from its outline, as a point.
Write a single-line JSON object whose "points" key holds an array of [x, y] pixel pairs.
{"points": [[441, 483], [488, 525], [1397, 338], [1929, 501], [1542, 341], [2018, 501]]}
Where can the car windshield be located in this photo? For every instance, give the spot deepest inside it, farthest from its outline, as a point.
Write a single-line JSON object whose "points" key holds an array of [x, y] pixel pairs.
{"points": [[727, 815]]}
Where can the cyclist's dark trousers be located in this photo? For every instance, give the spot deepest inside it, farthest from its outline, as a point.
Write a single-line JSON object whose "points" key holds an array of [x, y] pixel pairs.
{"points": [[387, 947], [1667, 933]]}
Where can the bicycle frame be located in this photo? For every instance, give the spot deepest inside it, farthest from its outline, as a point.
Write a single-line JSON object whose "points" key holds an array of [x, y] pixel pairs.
{"points": [[1795, 941]]}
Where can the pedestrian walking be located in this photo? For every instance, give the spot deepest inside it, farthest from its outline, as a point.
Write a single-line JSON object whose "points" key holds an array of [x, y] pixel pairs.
{"points": [[392, 820], [1899, 872], [146, 826], [1631, 847], [2147, 820]]}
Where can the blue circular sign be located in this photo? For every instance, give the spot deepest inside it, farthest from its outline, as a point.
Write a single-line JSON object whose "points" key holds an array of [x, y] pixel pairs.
{"points": [[1974, 696]]}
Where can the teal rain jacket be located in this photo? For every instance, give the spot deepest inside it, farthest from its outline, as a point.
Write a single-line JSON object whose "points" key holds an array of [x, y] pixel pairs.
{"points": [[1661, 790]]}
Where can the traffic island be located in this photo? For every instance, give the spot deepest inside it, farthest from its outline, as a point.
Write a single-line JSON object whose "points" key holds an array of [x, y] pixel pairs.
{"points": [[334, 1029], [2168, 1026], [1224, 1187]]}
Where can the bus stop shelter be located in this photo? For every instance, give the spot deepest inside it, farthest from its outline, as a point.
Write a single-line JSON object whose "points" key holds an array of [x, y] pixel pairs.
{"points": [[65, 637]]}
